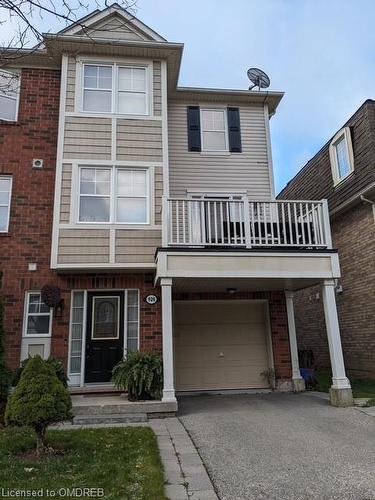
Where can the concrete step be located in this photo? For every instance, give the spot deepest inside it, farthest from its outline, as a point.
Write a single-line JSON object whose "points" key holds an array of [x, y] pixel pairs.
{"points": [[114, 418]]}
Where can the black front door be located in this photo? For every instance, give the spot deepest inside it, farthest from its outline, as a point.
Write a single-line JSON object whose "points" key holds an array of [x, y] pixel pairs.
{"points": [[104, 334]]}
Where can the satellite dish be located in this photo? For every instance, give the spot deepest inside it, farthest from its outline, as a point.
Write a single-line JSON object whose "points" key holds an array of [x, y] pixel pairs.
{"points": [[258, 78]]}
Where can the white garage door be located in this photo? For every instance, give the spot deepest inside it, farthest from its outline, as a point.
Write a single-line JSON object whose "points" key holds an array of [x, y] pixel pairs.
{"points": [[220, 345]]}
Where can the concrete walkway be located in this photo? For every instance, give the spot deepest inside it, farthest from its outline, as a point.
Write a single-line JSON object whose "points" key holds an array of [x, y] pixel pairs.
{"points": [[282, 446]]}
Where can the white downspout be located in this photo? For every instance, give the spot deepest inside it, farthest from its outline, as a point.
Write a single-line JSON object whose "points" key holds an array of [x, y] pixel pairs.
{"points": [[371, 203]]}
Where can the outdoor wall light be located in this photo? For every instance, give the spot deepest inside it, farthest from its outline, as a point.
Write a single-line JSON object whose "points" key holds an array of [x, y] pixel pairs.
{"points": [[232, 290]]}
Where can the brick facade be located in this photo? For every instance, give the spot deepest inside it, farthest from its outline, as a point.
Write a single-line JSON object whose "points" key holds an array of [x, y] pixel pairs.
{"points": [[353, 234], [278, 322]]}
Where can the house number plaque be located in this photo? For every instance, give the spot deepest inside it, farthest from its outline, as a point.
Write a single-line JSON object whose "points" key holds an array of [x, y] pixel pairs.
{"points": [[151, 299]]}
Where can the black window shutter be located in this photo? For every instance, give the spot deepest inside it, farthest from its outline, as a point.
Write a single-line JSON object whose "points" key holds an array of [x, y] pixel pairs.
{"points": [[234, 130], [194, 128]]}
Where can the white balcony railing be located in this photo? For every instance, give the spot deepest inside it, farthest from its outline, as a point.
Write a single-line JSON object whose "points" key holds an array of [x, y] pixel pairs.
{"points": [[220, 222]]}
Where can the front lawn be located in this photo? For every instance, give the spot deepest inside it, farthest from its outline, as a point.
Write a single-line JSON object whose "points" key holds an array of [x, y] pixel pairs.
{"points": [[125, 462], [361, 388]]}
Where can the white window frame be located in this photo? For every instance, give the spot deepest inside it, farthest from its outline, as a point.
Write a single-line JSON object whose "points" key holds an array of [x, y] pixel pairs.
{"points": [[17, 98], [97, 89], [27, 314], [343, 134], [9, 203], [114, 91], [126, 332], [224, 111], [113, 195]]}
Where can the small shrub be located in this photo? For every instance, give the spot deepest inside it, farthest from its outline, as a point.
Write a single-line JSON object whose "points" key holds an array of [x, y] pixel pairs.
{"points": [[56, 364], [270, 376], [40, 399], [140, 374]]}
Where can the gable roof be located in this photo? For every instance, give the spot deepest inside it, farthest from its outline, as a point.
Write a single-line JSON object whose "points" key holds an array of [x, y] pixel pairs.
{"points": [[98, 19]]}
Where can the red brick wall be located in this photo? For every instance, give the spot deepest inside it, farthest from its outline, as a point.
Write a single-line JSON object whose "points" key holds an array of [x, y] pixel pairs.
{"points": [[278, 322], [353, 234], [29, 238]]}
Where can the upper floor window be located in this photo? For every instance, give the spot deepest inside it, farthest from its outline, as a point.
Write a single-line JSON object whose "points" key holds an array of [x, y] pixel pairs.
{"points": [[341, 155], [214, 130], [114, 195], [38, 316], [115, 89], [9, 95], [5, 196]]}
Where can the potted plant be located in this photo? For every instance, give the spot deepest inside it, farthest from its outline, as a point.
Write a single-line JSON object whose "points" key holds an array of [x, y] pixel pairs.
{"points": [[140, 374]]}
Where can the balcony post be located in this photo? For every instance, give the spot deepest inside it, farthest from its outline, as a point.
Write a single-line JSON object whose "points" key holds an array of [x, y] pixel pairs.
{"points": [[340, 392], [326, 224], [165, 221], [246, 218], [167, 329], [298, 382]]}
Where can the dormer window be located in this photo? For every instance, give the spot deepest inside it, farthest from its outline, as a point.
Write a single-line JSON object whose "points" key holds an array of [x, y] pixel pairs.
{"points": [[341, 155], [115, 88], [9, 95]]}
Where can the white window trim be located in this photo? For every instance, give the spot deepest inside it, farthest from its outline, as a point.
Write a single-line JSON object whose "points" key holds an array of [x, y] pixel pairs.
{"points": [[26, 315], [215, 151], [148, 66], [113, 196], [342, 134], [126, 319], [10, 201], [93, 316], [17, 99]]}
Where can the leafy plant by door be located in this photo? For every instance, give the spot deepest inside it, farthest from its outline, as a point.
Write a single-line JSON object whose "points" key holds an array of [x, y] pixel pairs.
{"points": [[140, 374]]}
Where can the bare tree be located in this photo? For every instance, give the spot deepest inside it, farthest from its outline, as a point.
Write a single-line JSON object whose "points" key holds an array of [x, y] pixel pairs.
{"points": [[28, 15]]}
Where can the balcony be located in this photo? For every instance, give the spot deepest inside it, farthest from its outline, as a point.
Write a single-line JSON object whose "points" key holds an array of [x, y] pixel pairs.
{"points": [[227, 222]]}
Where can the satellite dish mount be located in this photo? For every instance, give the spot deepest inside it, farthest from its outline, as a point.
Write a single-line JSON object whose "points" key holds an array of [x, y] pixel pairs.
{"points": [[258, 78]]}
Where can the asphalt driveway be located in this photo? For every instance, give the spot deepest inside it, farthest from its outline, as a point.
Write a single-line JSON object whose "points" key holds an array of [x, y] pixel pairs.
{"points": [[282, 446]]}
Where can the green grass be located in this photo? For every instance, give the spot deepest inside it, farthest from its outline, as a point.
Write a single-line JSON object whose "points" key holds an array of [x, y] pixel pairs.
{"points": [[123, 461], [361, 388]]}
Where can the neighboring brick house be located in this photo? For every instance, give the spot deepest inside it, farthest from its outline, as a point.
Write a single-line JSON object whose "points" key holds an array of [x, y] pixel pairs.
{"points": [[137, 214], [343, 171]]}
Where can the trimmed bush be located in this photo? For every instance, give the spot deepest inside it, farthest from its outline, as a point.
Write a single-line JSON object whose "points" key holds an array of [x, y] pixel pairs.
{"points": [[40, 399], [140, 374], [56, 364]]}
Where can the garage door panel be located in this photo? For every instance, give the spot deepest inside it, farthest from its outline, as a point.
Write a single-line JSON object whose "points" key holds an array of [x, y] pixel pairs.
{"points": [[220, 345]]}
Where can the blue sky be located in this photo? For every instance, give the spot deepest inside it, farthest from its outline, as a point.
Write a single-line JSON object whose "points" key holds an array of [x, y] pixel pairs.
{"points": [[320, 52]]}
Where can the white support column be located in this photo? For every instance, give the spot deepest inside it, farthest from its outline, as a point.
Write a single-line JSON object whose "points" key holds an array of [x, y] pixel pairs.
{"points": [[168, 364], [298, 382], [341, 393]]}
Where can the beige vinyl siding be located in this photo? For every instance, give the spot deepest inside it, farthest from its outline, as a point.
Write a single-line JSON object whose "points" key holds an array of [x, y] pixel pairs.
{"points": [[70, 84], [136, 245], [66, 182], [116, 29], [87, 138], [158, 193], [139, 140], [236, 171], [83, 246], [157, 88]]}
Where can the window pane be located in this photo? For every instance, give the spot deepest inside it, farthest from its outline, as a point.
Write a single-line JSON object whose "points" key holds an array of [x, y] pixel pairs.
{"points": [[219, 120], [132, 345], [88, 174], [8, 108], [94, 209], [132, 313], [37, 325], [132, 103], [132, 297], [75, 365], [207, 120], [105, 77], [131, 210], [214, 141], [3, 218], [97, 100], [87, 187], [4, 185], [9, 83], [131, 182], [4, 197], [139, 80], [342, 158], [105, 318], [125, 79]]}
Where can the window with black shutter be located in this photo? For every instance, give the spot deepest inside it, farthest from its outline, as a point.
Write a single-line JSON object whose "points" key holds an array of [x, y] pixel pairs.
{"points": [[234, 130]]}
